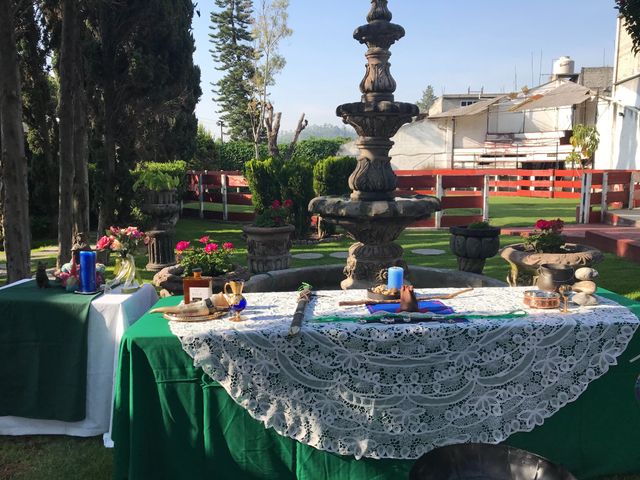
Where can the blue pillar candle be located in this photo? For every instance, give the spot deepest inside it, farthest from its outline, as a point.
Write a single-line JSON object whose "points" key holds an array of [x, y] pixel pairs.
{"points": [[394, 277], [87, 271]]}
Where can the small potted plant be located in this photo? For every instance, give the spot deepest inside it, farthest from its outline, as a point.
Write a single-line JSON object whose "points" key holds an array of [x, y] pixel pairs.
{"points": [[214, 259], [160, 196], [545, 245], [161, 205], [269, 238], [473, 244]]}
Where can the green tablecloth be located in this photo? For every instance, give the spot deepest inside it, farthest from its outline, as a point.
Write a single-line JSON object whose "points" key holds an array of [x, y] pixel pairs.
{"points": [[172, 421], [43, 352]]}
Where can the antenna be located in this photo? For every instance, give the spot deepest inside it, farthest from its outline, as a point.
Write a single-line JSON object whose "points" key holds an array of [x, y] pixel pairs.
{"points": [[532, 73], [540, 69]]}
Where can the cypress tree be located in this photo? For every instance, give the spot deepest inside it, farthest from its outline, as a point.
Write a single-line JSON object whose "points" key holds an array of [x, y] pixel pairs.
{"points": [[233, 52]]}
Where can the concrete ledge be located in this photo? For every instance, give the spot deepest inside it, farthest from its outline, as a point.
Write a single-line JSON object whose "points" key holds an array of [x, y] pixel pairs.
{"points": [[328, 277]]}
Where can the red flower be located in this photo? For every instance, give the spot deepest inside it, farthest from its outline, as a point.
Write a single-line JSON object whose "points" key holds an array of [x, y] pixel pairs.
{"points": [[211, 247], [227, 246], [288, 203], [182, 245], [557, 225], [543, 224], [276, 204], [103, 243], [204, 239]]}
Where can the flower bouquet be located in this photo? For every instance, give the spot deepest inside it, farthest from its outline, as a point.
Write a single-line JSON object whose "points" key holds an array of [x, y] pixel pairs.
{"points": [[124, 241]]}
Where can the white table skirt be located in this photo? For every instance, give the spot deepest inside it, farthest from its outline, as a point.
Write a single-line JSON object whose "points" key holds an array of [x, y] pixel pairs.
{"points": [[109, 316]]}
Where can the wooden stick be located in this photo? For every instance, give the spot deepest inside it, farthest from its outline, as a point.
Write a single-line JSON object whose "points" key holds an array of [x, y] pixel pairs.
{"points": [[444, 296], [298, 316]]}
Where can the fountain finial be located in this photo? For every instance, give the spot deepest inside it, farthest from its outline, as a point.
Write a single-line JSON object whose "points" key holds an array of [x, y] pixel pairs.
{"points": [[372, 215], [379, 11]]}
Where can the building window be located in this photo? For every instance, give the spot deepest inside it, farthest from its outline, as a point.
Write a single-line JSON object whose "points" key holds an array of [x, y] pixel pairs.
{"points": [[466, 103]]}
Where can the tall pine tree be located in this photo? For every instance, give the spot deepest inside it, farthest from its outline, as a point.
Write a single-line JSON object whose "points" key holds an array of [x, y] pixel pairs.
{"points": [[234, 53]]}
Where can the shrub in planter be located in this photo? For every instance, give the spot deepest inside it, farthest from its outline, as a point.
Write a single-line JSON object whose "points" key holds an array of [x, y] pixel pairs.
{"points": [[297, 185], [263, 178]]}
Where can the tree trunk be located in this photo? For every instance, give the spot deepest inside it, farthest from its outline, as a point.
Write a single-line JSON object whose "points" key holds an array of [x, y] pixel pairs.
{"points": [[65, 109], [272, 125], [15, 217], [302, 124], [80, 145]]}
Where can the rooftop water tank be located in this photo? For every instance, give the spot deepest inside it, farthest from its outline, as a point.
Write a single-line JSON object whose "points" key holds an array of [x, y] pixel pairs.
{"points": [[563, 66]]}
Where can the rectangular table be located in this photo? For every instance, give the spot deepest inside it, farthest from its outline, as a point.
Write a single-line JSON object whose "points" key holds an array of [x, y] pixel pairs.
{"points": [[109, 316], [171, 420]]}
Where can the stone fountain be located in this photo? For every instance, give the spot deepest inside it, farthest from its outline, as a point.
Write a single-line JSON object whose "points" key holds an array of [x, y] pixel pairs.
{"points": [[372, 215]]}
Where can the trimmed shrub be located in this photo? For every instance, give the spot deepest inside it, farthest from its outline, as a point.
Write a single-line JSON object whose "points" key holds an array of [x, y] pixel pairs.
{"points": [[264, 180], [315, 149], [297, 178], [235, 155], [331, 175]]}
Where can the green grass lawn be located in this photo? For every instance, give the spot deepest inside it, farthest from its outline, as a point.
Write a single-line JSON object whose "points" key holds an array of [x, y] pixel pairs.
{"points": [[55, 457]]}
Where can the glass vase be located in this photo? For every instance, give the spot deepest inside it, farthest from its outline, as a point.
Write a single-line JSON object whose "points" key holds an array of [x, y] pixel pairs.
{"points": [[126, 274]]}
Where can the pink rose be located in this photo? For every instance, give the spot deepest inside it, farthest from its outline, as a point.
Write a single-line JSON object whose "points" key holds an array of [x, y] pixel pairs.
{"points": [[211, 247], [182, 245], [288, 203], [103, 243], [204, 240], [276, 204], [227, 246]]}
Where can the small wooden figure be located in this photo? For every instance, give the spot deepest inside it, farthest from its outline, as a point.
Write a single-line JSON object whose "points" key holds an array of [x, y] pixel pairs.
{"points": [[42, 280]]}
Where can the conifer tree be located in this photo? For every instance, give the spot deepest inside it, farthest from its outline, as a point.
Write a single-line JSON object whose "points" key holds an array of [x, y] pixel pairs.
{"points": [[233, 52]]}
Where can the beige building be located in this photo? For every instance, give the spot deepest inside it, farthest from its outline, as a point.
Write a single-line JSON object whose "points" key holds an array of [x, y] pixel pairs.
{"points": [[618, 114], [528, 129]]}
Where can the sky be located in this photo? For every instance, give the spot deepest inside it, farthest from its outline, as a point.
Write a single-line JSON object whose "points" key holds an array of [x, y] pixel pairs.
{"points": [[452, 45]]}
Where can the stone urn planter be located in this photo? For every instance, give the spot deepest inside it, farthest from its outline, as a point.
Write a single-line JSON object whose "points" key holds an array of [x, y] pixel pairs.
{"points": [[169, 279], [473, 246], [162, 207], [526, 263], [268, 247]]}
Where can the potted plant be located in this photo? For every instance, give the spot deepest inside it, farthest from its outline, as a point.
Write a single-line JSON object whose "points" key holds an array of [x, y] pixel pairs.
{"points": [[162, 206], [269, 238], [545, 245], [160, 195], [214, 259], [473, 244]]}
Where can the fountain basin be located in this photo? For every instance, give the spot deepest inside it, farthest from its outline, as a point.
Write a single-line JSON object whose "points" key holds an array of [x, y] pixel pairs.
{"points": [[328, 277]]}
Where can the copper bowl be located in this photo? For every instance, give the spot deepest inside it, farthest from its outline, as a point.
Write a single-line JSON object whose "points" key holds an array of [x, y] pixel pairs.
{"points": [[541, 299]]}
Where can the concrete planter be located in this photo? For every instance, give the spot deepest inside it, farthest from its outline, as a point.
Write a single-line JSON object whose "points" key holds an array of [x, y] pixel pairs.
{"points": [[525, 264], [268, 247], [473, 246]]}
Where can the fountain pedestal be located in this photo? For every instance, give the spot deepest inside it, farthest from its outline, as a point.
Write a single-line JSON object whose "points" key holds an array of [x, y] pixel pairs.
{"points": [[371, 215], [375, 225]]}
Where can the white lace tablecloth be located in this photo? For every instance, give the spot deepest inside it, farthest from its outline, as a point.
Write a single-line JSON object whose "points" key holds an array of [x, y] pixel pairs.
{"points": [[397, 391]]}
